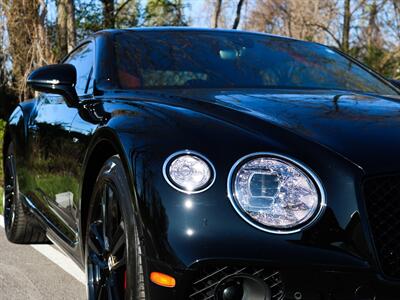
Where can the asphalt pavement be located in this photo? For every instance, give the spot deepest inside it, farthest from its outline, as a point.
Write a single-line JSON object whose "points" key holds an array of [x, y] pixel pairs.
{"points": [[26, 274]]}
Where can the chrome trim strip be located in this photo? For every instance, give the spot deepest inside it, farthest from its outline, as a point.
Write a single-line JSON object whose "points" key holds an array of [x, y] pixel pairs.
{"points": [[194, 153], [308, 171]]}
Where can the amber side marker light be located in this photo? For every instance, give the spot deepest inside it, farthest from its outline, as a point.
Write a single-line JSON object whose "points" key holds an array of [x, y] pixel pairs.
{"points": [[162, 279]]}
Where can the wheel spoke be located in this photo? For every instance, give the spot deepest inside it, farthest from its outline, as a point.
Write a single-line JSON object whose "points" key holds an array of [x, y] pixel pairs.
{"points": [[94, 247], [100, 293], [96, 239], [97, 261], [118, 241], [102, 290], [113, 215], [104, 215]]}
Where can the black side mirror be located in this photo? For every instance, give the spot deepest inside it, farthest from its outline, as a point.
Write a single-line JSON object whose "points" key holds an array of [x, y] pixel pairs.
{"points": [[56, 79], [396, 83]]}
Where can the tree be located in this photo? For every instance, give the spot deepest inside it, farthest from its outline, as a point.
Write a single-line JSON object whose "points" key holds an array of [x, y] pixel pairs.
{"points": [[127, 14], [218, 5], [307, 20], [66, 30], [3, 54], [89, 17], [108, 13], [371, 47], [345, 45], [71, 26], [7, 99], [124, 13], [164, 13], [238, 12], [29, 45]]}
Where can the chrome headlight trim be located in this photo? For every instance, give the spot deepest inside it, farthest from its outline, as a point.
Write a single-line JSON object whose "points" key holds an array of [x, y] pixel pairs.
{"points": [[175, 155], [254, 223]]}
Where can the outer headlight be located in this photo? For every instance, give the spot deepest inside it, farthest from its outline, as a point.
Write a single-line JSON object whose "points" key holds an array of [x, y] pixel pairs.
{"points": [[275, 193], [189, 172]]}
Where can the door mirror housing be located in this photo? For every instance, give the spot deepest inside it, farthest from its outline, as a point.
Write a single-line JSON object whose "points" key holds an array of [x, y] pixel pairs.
{"points": [[395, 82], [56, 79]]}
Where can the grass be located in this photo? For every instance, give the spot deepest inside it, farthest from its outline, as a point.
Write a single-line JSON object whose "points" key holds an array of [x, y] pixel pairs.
{"points": [[49, 183], [53, 184]]}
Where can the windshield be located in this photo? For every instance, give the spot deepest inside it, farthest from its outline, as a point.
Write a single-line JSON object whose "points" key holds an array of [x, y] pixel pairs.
{"points": [[201, 59]]}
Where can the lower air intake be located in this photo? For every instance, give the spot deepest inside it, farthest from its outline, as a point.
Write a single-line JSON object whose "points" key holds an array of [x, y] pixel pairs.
{"points": [[209, 277]]}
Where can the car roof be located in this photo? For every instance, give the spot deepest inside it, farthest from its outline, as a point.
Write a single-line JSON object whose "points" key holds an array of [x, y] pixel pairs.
{"points": [[188, 29]]}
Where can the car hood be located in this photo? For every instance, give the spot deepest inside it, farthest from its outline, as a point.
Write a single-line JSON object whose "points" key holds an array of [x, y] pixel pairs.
{"points": [[363, 128]]}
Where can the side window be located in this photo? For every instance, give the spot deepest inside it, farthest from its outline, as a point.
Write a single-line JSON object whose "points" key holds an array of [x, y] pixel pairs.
{"points": [[82, 59]]}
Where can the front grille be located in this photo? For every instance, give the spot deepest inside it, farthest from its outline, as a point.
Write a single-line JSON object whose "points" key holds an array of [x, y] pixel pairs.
{"points": [[382, 196], [208, 278]]}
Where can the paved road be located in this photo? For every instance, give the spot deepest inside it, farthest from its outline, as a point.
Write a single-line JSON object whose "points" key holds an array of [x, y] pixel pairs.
{"points": [[25, 274]]}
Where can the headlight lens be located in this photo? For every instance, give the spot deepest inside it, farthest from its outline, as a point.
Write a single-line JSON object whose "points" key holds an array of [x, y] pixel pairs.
{"points": [[189, 172], [275, 192]]}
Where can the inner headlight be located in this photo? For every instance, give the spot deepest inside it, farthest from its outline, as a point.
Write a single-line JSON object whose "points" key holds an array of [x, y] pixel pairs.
{"points": [[189, 172], [276, 192]]}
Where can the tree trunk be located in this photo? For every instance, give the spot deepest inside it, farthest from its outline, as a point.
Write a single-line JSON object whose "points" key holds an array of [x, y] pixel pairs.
{"points": [[71, 28], [238, 13], [108, 13], [217, 13], [346, 27], [62, 33], [28, 41], [66, 32]]}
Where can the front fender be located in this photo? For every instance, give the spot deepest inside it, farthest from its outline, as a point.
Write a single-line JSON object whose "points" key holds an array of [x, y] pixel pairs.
{"points": [[180, 235]]}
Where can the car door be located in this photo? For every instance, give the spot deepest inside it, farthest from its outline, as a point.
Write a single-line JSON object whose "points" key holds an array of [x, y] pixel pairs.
{"points": [[53, 173]]}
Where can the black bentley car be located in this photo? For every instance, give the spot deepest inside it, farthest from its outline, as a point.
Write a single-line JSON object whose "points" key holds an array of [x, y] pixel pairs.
{"points": [[209, 164]]}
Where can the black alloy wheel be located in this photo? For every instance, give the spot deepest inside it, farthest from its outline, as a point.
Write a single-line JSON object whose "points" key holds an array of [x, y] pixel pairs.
{"points": [[113, 254], [10, 188], [21, 227]]}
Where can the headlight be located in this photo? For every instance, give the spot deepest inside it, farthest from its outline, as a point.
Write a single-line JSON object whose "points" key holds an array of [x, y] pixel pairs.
{"points": [[275, 193], [189, 172]]}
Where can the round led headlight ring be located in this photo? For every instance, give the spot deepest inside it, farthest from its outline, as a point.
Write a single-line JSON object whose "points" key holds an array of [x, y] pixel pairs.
{"points": [[189, 172], [275, 193]]}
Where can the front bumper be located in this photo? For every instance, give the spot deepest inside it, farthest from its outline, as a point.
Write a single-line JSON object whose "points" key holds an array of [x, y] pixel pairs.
{"points": [[201, 281]]}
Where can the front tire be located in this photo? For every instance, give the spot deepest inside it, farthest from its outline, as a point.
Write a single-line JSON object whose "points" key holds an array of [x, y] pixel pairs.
{"points": [[113, 250], [20, 225]]}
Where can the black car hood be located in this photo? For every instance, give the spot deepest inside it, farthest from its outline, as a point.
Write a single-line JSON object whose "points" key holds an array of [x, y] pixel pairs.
{"points": [[363, 128]]}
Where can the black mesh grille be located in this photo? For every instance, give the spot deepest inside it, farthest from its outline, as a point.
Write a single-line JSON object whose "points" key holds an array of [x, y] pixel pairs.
{"points": [[208, 278], [382, 196]]}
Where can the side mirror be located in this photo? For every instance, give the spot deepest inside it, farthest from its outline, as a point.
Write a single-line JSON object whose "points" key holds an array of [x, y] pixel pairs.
{"points": [[56, 79], [396, 83]]}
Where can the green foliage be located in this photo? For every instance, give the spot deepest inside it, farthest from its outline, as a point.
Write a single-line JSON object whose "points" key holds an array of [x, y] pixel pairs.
{"points": [[89, 18], [164, 13], [53, 184], [128, 14], [382, 60]]}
